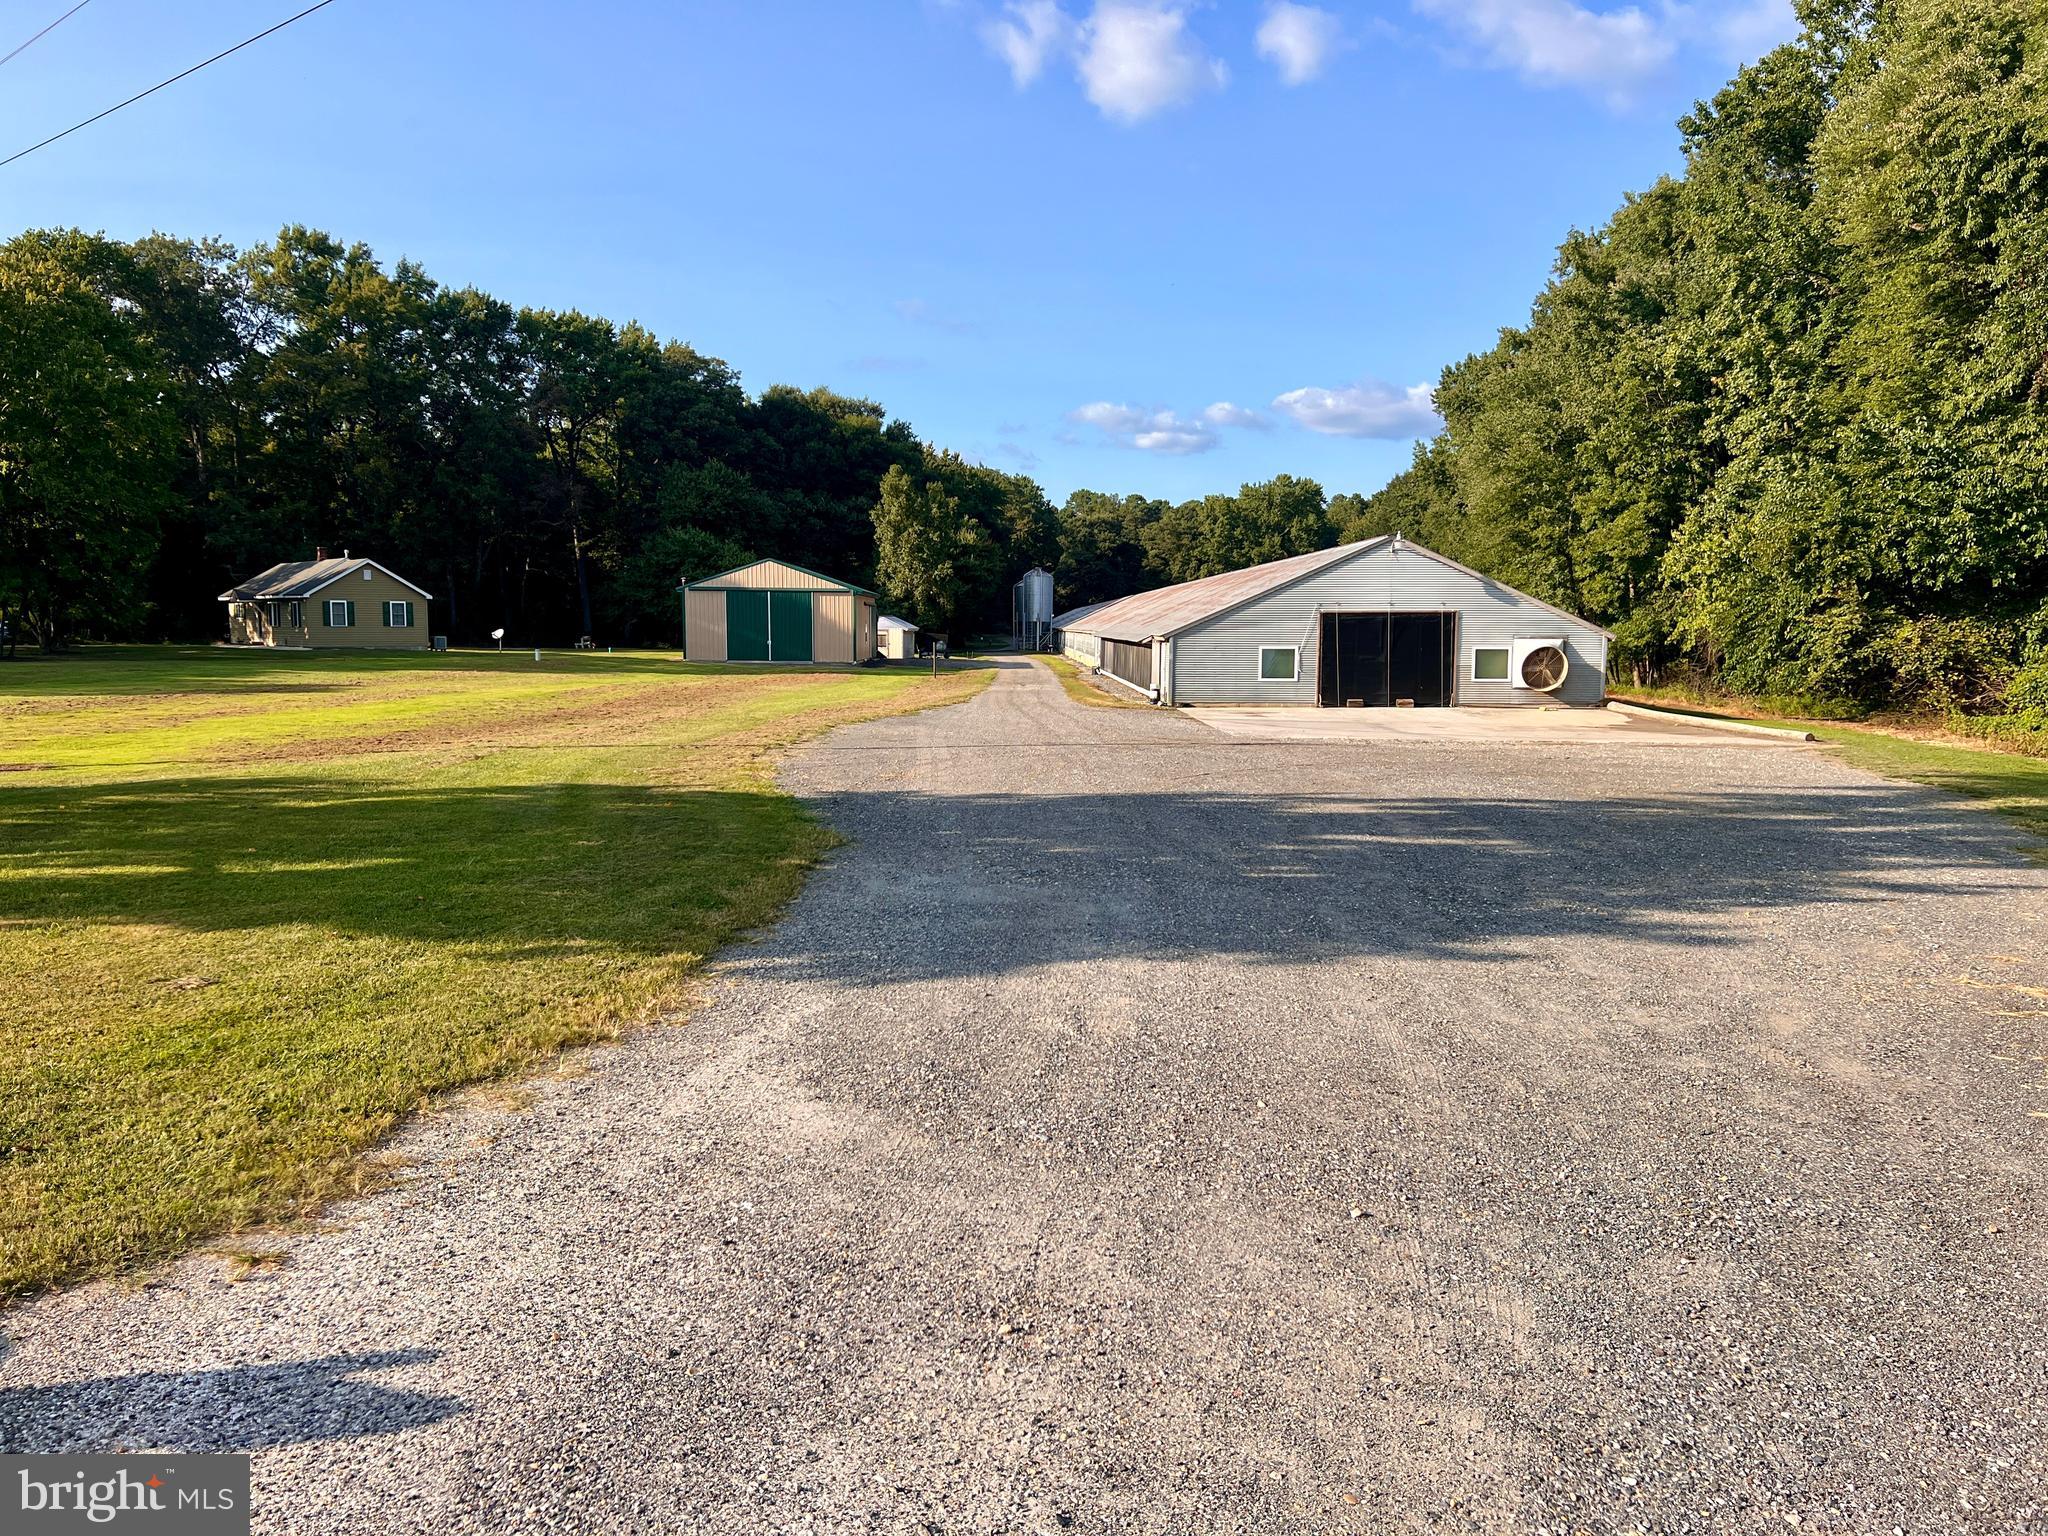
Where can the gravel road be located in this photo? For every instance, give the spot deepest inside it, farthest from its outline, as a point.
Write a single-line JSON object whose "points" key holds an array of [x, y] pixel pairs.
{"points": [[1136, 1131]]}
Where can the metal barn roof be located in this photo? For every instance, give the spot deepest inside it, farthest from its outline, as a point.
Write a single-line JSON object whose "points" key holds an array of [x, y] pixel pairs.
{"points": [[1167, 611], [890, 621]]}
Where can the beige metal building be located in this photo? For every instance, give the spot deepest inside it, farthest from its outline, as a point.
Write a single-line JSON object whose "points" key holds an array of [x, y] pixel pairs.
{"points": [[774, 611], [322, 602]]}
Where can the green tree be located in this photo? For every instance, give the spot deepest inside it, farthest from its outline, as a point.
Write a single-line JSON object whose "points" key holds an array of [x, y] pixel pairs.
{"points": [[924, 550], [86, 444]]}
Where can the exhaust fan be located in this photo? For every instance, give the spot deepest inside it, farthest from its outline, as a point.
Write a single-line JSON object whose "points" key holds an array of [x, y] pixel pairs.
{"points": [[1540, 665]]}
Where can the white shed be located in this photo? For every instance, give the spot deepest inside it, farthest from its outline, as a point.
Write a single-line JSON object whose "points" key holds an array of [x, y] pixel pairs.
{"points": [[896, 638]]}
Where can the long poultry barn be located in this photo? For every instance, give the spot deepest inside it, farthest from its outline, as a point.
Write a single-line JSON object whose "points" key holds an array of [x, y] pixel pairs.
{"points": [[1382, 622]]}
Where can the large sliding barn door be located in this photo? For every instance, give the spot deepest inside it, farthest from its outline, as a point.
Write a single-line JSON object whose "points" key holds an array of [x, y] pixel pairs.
{"points": [[746, 626], [789, 625]]}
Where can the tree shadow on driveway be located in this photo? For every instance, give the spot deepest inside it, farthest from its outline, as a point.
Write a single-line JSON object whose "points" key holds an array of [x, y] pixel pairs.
{"points": [[1019, 880], [238, 1408]]}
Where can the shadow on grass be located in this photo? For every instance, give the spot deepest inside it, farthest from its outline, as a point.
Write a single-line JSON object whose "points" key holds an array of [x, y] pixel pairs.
{"points": [[539, 870], [239, 1408], [530, 869]]}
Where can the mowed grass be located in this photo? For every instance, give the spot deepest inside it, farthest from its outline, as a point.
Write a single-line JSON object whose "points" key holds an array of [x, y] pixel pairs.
{"points": [[1085, 690], [257, 908], [2014, 786]]}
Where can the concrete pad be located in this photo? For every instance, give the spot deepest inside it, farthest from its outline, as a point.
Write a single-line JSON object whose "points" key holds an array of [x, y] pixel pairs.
{"points": [[1513, 727]]}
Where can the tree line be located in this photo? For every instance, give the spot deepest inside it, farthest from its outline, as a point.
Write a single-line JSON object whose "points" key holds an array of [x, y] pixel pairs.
{"points": [[1783, 421], [176, 415]]}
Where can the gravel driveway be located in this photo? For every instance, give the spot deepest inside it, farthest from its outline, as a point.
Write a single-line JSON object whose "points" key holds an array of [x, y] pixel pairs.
{"points": [[1139, 1131]]}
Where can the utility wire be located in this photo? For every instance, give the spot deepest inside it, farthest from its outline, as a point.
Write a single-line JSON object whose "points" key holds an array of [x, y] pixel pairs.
{"points": [[50, 28], [117, 106]]}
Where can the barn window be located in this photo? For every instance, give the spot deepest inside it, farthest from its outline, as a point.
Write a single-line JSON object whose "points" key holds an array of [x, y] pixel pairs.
{"points": [[1490, 664], [1279, 663]]}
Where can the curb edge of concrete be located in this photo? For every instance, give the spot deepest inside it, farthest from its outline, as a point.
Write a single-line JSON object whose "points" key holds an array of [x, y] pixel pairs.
{"points": [[1710, 722]]}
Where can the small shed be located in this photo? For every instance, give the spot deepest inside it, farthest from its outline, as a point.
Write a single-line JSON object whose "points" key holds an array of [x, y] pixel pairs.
{"points": [[772, 610], [897, 638]]}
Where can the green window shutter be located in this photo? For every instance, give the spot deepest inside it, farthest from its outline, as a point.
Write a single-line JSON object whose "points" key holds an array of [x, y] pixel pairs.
{"points": [[349, 617]]}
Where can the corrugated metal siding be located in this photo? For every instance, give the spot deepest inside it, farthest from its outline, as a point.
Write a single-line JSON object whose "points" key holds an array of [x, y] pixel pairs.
{"points": [[1217, 662], [832, 627], [1132, 663], [704, 625], [772, 576], [1083, 650], [864, 629]]}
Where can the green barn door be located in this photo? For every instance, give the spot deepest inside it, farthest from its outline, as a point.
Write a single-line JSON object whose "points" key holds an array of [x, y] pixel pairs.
{"points": [[789, 625], [746, 626]]}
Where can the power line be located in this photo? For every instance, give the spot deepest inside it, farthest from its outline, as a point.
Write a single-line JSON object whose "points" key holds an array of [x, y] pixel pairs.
{"points": [[51, 27], [117, 106]]}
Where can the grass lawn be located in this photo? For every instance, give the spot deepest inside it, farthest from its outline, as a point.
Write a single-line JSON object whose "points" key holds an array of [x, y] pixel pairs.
{"points": [[2014, 786], [258, 907], [1088, 692]]}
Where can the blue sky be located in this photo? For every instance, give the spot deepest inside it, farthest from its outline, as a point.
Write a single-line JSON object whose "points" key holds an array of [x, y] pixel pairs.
{"points": [[1133, 246]]}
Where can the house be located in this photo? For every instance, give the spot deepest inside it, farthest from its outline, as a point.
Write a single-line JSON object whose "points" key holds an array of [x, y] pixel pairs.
{"points": [[1379, 622], [322, 602], [896, 638], [774, 611]]}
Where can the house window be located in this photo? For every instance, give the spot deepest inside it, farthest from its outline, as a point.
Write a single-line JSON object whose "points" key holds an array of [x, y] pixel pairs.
{"points": [[1279, 663], [398, 615], [298, 616], [1490, 664], [341, 613]]}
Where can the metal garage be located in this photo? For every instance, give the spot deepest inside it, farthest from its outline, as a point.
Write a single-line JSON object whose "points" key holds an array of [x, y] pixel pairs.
{"points": [[1376, 624], [774, 611]]}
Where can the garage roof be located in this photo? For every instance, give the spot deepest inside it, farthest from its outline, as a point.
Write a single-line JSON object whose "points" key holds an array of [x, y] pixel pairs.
{"points": [[1167, 611]]}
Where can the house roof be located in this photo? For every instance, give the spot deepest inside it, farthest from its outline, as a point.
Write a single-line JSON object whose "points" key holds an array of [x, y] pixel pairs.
{"points": [[1166, 611], [825, 583], [890, 621], [302, 578], [1072, 618]]}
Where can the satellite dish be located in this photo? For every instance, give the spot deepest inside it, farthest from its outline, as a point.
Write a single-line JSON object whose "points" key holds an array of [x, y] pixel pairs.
{"points": [[497, 634]]}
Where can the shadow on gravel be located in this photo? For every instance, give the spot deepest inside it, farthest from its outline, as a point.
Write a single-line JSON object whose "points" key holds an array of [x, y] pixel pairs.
{"points": [[241, 1408], [1022, 880]]}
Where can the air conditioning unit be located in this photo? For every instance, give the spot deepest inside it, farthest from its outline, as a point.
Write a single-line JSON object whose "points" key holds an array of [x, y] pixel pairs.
{"points": [[1540, 665]]}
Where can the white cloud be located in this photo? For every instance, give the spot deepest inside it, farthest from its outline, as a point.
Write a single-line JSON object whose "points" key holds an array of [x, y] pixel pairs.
{"points": [[1133, 57], [1028, 35], [1150, 431], [1225, 414], [1367, 409], [1557, 42], [1298, 39], [1138, 59], [1738, 32]]}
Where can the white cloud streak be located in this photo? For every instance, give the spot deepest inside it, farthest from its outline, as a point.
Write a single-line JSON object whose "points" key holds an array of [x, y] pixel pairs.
{"points": [[1298, 40], [1368, 409], [1558, 42], [1162, 431], [1133, 58], [1028, 36]]}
